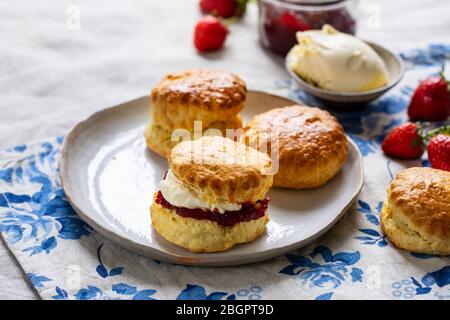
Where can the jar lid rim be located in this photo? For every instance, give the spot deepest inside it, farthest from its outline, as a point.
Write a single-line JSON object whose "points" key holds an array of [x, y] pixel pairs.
{"points": [[311, 2], [306, 3]]}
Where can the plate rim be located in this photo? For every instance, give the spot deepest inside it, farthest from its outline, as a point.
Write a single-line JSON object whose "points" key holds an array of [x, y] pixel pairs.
{"points": [[130, 244]]}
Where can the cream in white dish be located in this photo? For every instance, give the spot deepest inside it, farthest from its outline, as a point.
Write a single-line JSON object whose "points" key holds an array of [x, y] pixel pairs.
{"points": [[176, 193], [337, 61]]}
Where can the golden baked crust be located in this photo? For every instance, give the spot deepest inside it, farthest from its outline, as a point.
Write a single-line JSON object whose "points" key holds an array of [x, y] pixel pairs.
{"points": [[209, 89], [180, 99], [203, 235], [312, 144], [222, 170], [416, 215]]}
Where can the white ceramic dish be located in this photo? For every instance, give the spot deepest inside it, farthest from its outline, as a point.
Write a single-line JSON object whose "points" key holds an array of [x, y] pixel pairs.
{"points": [[346, 100], [109, 177]]}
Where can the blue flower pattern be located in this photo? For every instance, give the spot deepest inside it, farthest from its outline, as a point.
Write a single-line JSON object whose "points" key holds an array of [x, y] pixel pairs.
{"points": [[196, 292], [371, 236], [411, 287], [325, 296], [37, 280], [102, 270], [38, 222], [119, 291], [434, 54], [335, 269], [44, 217]]}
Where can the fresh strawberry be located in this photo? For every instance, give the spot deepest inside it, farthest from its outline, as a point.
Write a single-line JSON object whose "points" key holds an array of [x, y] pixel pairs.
{"points": [[210, 34], [221, 8], [404, 142], [431, 100], [439, 150], [294, 22]]}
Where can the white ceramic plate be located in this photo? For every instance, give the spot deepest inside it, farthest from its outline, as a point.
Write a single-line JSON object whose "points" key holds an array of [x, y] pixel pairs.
{"points": [[109, 177]]}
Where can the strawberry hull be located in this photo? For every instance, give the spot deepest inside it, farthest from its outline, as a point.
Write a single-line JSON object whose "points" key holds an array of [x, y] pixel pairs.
{"points": [[431, 100]]}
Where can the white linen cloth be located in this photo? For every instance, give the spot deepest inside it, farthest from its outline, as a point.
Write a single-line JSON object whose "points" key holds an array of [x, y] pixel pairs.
{"points": [[54, 74]]}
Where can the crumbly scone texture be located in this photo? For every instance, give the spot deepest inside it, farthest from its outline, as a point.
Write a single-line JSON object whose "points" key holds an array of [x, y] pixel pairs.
{"points": [[206, 95], [203, 236], [159, 138], [416, 215], [180, 99], [218, 169], [312, 145]]}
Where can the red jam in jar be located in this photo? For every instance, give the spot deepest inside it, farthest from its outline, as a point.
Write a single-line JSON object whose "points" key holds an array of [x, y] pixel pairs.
{"points": [[279, 20]]}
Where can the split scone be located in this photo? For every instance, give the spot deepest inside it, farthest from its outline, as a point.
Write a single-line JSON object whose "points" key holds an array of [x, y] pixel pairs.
{"points": [[213, 97], [416, 214], [213, 196], [310, 142]]}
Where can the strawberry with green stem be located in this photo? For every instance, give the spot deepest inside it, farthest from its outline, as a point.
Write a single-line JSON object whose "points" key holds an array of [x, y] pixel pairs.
{"points": [[408, 141], [431, 99], [439, 148], [404, 142]]}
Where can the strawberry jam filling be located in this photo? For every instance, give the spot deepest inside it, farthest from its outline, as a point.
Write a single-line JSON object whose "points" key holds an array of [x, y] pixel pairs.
{"points": [[249, 211]]}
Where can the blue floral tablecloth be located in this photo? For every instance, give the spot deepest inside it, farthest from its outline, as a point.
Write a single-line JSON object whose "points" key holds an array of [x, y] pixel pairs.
{"points": [[65, 259]]}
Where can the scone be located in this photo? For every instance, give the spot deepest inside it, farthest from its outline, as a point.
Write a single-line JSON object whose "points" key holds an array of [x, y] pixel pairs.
{"points": [[416, 214], [213, 97], [312, 145], [213, 196]]}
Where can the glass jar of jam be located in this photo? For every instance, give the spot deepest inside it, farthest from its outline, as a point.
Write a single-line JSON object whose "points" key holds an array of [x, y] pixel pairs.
{"points": [[279, 20]]}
